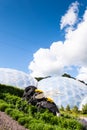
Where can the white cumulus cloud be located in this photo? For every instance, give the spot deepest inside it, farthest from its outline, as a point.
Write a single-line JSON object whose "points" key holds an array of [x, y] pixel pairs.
{"points": [[63, 54], [71, 16], [45, 63], [82, 75]]}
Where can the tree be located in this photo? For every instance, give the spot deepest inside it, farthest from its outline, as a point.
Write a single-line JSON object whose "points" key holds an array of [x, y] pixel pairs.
{"points": [[67, 108], [62, 108], [84, 109], [66, 75], [75, 109]]}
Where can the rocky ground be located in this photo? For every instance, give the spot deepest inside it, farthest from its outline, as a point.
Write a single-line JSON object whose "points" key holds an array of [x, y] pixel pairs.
{"points": [[7, 123]]}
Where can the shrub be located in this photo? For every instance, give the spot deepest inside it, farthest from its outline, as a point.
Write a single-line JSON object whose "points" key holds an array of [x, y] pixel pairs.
{"points": [[21, 105], [31, 110], [3, 106], [46, 116], [16, 114], [74, 125], [36, 125], [66, 116], [48, 127], [11, 90], [71, 124], [8, 110], [11, 98], [1, 96], [54, 120], [25, 120], [2, 101]]}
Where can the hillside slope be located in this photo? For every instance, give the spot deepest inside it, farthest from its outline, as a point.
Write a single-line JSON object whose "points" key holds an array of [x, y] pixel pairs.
{"points": [[27, 115]]}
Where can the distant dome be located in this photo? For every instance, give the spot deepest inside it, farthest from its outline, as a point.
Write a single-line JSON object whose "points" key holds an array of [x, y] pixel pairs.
{"points": [[84, 101], [16, 78], [64, 90]]}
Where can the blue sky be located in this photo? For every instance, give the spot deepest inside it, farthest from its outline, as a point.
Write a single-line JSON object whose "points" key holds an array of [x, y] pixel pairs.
{"points": [[28, 25]]}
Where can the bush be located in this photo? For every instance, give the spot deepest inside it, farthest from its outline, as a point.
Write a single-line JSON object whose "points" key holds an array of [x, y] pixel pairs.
{"points": [[11, 98], [71, 124], [2, 101], [16, 114], [8, 110], [3, 106], [11, 90], [25, 120], [66, 116], [32, 109], [22, 105], [36, 125], [54, 120], [74, 125], [46, 116]]}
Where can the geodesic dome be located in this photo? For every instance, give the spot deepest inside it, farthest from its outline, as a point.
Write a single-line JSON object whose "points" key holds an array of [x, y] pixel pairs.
{"points": [[16, 78], [64, 90]]}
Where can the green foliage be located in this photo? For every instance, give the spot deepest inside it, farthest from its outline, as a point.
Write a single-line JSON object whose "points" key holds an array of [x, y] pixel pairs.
{"points": [[32, 110], [75, 109], [2, 101], [66, 115], [3, 106], [40, 78], [46, 116], [8, 110], [25, 120], [12, 90], [62, 108], [41, 126], [22, 105], [66, 75], [14, 113], [12, 99], [84, 109], [28, 116], [67, 108], [36, 124]]}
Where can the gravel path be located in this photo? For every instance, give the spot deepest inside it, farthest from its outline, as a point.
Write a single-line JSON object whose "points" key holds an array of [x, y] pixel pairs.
{"points": [[7, 123], [83, 120]]}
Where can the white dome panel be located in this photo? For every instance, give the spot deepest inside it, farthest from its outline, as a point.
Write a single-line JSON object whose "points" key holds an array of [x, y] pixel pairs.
{"points": [[64, 90], [84, 101], [16, 78]]}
